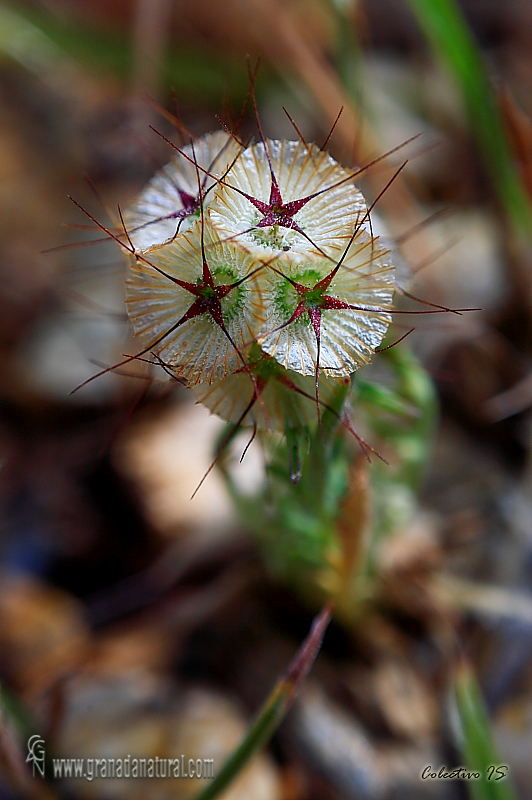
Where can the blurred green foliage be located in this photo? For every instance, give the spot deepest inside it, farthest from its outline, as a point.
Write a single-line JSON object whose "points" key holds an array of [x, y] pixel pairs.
{"points": [[453, 44], [297, 523], [189, 71]]}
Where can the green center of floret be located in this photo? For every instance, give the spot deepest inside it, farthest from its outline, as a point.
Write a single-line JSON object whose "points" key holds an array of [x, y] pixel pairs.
{"points": [[274, 236], [262, 365], [315, 298], [287, 297], [233, 302], [207, 291]]}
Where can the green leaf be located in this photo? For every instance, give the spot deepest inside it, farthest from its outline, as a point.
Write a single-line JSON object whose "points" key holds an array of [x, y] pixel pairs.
{"points": [[384, 398]]}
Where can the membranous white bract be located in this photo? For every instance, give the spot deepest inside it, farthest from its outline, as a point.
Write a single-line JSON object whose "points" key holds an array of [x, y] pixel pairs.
{"points": [[348, 336], [276, 400], [323, 223], [169, 204], [197, 331]]}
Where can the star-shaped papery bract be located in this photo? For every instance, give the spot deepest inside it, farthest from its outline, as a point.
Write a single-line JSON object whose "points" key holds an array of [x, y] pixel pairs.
{"points": [[335, 198], [329, 319], [199, 339], [282, 195], [169, 203], [343, 311]]}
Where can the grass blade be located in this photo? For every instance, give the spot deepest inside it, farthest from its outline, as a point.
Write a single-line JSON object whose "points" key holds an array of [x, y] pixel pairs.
{"points": [[274, 709], [478, 749], [453, 43]]}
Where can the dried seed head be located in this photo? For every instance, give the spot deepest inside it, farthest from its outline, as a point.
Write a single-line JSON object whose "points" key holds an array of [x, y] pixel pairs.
{"points": [[169, 204], [285, 214], [278, 281], [196, 314]]}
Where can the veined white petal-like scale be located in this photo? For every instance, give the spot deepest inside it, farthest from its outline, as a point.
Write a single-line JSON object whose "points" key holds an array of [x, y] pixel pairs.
{"points": [[286, 399], [349, 337], [327, 221], [159, 213], [198, 349]]}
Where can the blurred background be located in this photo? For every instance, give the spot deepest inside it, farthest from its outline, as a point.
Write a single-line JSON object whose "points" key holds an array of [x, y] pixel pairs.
{"points": [[134, 619]]}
